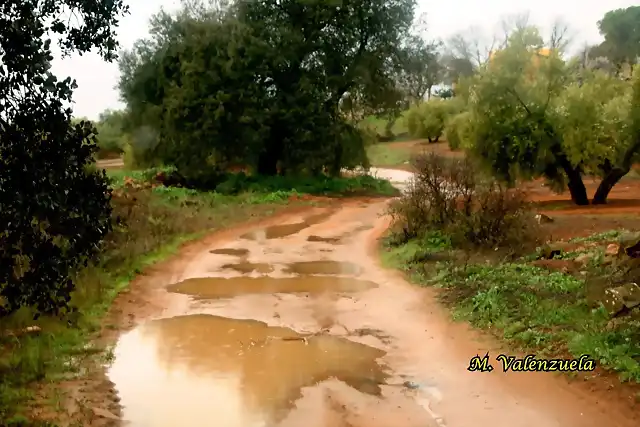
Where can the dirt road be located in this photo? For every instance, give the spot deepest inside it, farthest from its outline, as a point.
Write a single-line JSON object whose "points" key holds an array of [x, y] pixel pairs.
{"points": [[297, 324]]}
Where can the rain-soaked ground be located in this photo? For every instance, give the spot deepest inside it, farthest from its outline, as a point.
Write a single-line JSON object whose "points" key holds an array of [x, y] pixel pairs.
{"points": [[297, 325]]}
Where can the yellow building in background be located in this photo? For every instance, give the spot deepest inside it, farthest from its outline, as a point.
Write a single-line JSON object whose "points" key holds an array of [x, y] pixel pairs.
{"points": [[542, 52]]}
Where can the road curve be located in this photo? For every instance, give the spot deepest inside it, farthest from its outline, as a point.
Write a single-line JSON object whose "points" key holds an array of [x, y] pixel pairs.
{"points": [[295, 323]]}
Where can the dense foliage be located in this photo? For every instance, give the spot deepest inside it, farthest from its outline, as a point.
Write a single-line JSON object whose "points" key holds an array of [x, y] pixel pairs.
{"points": [[428, 119], [532, 116], [621, 31], [262, 83], [53, 212]]}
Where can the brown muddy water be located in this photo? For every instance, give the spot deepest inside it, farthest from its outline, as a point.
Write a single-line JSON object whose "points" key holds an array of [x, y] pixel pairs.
{"points": [[219, 287], [231, 372], [283, 230], [290, 335], [241, 252]]}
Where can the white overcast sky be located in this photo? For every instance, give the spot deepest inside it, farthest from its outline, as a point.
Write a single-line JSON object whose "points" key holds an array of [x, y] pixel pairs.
{"points": [[97, 79]]}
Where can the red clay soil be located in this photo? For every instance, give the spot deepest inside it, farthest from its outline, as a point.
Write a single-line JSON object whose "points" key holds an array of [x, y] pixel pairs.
{"points": [[423, 146], [622, 210], [424, 347]]}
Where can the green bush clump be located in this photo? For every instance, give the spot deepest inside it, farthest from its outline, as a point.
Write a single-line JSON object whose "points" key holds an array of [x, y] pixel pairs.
{"points": [[427, 120], [457, 130], [451, 197]]}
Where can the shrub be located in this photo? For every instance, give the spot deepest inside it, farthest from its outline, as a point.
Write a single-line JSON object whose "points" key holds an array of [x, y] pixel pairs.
{"points": [[140, 148], [457, 130], [427, 120], [54, 208], [449, 196]]}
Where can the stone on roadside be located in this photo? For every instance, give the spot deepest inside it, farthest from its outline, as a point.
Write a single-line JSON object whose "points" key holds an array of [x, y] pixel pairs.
{"points": [[543, 219], [548, 251], [630, 245], [584, 258], [620, 298], [612, 249]]}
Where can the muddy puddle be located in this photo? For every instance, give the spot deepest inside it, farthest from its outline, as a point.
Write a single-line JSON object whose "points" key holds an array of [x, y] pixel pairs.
{"points": [[284, 230], [336, 240], [201, 370], [240, 252], [249, 267], [218, 287], [322, 267], [332, 240]]}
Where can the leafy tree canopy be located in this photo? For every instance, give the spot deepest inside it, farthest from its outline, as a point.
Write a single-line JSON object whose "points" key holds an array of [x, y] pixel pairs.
{"points": [[534, 117], [263, 82], [621, 31], [53, 213]]}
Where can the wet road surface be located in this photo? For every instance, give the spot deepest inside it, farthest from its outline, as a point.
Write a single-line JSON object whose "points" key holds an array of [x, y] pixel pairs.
{"points": [[297, 325]]}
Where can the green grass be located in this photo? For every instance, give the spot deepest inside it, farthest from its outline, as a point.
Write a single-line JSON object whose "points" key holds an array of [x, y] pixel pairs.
{"points": [[383, 155], [156, 221], [600, 237], [379, 125], [284, 186], [530, 307]]}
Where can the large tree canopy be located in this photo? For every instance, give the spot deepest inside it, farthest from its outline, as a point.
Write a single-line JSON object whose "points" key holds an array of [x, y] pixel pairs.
{"points": [[262, 82], [621, 31], [534, 117], [420, 67], [53, 213]]}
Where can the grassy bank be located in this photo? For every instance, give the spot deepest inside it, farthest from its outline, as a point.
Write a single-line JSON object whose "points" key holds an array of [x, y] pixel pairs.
{"points": [[150, 224], [534, 309], [389, 155]]}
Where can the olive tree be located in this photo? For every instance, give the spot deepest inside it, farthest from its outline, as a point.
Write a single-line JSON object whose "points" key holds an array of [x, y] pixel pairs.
{"points": [[532, 117]]}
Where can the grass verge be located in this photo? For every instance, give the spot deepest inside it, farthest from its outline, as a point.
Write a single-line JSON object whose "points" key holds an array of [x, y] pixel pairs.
{"points": [[150, 224], [254, 186], [386, 155], [531, 308]]}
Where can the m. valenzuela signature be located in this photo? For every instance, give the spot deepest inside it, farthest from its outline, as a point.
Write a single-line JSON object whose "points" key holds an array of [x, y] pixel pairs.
{"points": [[532, 364]]}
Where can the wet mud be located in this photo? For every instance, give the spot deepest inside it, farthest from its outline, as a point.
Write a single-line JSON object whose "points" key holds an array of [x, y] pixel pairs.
{"points": [[240, 252], [222, 287], [282, 338], [249, 267], [322, 267], [332, 240], [238, 372], [283, 230]]}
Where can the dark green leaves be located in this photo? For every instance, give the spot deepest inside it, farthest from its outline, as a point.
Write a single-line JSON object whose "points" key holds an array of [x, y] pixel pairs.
{"points": [[53, 213]]}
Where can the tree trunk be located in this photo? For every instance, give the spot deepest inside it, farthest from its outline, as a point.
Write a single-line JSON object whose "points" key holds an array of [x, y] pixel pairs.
{"points": [[268, 159], [268, 164], [607, 183], [576, 186], [614, 174], [577, 189], [437, 138], [388, 129], [336, 166]]}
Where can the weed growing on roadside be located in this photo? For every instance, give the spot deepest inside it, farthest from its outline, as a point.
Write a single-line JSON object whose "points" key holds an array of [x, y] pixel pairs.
{"points": [[450, 196], [599, 237], [234, 184], [533, 308]]}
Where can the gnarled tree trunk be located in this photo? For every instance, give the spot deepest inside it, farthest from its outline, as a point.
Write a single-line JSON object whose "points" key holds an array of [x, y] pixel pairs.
{"points": [[607, 184], [576, 186], [614, 174]]}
